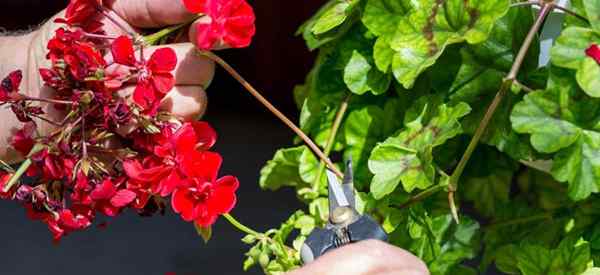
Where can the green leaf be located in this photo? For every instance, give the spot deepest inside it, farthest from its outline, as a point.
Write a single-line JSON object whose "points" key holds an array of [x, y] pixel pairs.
{"points": [[407, 157], [363, 129], [283, 169], [588, 77], [356, 73], [433, 25], [204, 232], [488, 181], [383, 16], [592, 9], [506, 259], [361, 77], [569, 52], [570, 257], [334, 16], [561, 123]]}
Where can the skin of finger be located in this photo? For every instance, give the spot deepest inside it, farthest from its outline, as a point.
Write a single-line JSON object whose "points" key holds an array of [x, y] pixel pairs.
{"points": [[151, 13], [370, 257], [191, 69]]}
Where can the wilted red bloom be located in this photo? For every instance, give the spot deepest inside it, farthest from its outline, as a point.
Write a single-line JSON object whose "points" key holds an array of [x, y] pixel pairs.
{"points": [[154, 76], [109, 200], [22, 141], [594, 52], [231, 23], [79, 11], [10, 85]]}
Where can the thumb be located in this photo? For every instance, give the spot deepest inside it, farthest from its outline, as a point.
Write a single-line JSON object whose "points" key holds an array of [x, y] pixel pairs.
{"points": [[150, 13], [370, 257]]}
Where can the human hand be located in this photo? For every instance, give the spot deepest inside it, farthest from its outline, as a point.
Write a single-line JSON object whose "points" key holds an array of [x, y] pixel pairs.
{"points": [[193, 73], [370, 257]]}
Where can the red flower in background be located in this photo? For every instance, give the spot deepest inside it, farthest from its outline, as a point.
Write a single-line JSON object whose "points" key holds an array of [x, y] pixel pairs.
{"points": [[154, 79], [594, 52], [229, 23]]}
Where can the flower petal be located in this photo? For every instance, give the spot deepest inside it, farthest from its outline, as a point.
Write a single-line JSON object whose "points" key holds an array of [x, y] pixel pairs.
{"points": [[122, 198], [223, 197], [122, 51], [163, 82], [104, 190], [205, 134], [182, 204], [163, 60], [204, 165], [195, 6]]}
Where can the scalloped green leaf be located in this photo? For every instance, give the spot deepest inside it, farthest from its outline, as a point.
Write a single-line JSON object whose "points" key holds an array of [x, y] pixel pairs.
{"points": [[282, 170], [334, 16], [433, 25], [406, 158], [564, 122]]}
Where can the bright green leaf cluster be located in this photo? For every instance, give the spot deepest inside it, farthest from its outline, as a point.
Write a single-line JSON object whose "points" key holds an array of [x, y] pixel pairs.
{"points": [[417, 78]]}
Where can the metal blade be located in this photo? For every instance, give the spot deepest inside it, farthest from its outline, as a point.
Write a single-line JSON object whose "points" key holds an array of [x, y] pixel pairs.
{"points": [[337, 196], [348, 184]]}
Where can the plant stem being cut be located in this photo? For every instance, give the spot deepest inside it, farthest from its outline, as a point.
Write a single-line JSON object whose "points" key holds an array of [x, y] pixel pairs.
{"points": [[274, 110]]}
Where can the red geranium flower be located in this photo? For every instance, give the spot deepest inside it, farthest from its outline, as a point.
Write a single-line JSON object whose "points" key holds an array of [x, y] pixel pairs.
{"points": [[594, 52], [204, 200], [109, 200], [154, 77], [173, 160], [230, 24]]}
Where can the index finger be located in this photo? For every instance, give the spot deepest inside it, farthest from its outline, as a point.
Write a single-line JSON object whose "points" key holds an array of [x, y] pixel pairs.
{"points": [[150, 13]]}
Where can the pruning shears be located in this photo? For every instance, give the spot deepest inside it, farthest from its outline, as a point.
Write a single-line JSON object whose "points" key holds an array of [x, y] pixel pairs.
{"points": [[345, 224]]}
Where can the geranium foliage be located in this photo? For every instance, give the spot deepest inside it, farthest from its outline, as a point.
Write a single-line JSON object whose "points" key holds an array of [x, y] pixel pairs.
{"points": [[412, 81]]}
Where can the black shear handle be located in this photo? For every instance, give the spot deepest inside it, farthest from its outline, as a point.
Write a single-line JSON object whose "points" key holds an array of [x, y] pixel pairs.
{"points": [[321, 241]]}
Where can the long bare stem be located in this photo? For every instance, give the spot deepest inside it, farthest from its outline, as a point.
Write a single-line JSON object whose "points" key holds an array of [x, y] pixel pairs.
{"points": [[507, 83], [274, 110], [339, 117], [50, 101]]}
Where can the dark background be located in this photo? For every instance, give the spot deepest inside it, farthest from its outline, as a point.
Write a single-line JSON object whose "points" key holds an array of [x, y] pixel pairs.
{"points": [[248, 137]]}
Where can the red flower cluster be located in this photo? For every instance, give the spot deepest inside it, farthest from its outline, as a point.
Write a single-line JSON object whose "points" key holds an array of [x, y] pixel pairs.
{"points": [[229, 23], [594, 52], [77, 173]]}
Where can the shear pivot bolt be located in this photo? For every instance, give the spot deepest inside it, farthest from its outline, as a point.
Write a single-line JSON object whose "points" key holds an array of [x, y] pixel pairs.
{"points": [[342, 215]]}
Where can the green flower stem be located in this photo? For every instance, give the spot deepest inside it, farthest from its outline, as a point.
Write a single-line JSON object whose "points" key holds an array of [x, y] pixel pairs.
{"points": [[273, 110], [331, 139], [152, 39], [15, 178], [240, 226], [508, 81]]}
